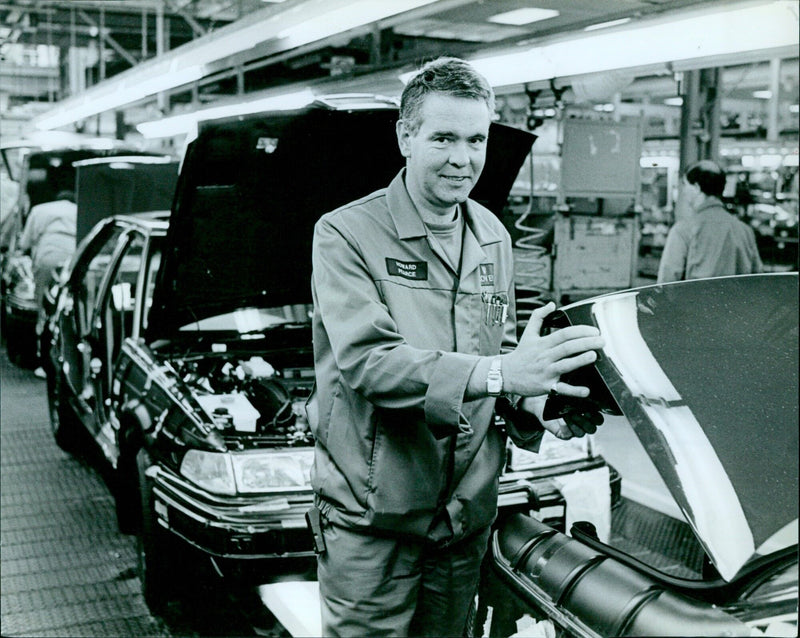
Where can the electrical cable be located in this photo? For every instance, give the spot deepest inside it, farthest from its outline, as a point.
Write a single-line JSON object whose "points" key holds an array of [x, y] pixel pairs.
{"points": [[531, 267]]}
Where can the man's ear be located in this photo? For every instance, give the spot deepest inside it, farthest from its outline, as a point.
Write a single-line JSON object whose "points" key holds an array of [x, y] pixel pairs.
{"points": [[403, 138]]}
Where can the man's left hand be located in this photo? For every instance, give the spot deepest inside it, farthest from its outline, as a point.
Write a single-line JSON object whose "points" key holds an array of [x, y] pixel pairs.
{"points": [[574, 424]]}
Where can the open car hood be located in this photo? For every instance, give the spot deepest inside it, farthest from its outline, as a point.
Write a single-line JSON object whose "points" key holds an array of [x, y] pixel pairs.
{"points": [[252, 188], [122, 185], [706, 372]]}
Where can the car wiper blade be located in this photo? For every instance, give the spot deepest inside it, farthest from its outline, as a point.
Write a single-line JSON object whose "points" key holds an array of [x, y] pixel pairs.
{"points": [[276, 326]]}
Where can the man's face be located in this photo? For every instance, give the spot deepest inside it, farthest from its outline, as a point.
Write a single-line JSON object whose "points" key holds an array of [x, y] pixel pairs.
{"points": [[445, 156]]}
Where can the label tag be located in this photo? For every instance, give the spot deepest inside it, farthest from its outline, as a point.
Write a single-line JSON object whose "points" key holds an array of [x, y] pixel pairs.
{"points": [[487, 274], [409, 269]]}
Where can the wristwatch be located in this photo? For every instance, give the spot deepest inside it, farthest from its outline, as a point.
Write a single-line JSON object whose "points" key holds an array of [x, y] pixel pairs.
{"points": [[494, 379]]}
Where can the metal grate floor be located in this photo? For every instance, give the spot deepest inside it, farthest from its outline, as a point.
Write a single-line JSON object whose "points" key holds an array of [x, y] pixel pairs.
{"points": [[66, 570]]}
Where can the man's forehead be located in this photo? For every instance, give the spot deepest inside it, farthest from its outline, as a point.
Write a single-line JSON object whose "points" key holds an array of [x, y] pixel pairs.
{"points": [[442, 110]]}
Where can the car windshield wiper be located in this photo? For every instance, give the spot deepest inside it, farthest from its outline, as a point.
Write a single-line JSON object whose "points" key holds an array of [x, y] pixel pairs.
{"points": [[276, 326]]}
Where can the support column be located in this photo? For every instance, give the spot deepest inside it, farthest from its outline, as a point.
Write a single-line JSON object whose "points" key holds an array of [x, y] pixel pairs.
{"points": [[710, 90], [700, 125], [700, 117], [688, 142], [101, 43], [161, 48], [773, 125]]}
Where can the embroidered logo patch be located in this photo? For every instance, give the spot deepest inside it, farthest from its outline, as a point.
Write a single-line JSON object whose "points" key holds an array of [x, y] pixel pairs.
{"points": [[408, 269], [487, 274]]}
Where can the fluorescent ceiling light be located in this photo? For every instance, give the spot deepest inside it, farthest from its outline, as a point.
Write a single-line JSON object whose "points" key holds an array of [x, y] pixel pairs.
{"points": [[689, 36], [186, 123], [299, 24], [762, 95], [115, 96], [606, 25], [523, 16]]}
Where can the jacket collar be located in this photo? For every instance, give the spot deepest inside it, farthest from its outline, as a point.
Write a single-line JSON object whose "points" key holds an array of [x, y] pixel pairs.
{"points": [[408, 221], [709, 202]]}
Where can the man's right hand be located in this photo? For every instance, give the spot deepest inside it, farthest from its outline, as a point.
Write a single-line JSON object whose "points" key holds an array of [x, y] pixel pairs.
{"points": [[536, 365]]}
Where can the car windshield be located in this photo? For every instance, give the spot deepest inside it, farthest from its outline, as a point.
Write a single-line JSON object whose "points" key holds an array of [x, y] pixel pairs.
{"points": [[252, 320]]}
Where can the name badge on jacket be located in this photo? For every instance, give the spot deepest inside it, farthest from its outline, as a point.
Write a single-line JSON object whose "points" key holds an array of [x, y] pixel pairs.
{"points": [[409, 269]]}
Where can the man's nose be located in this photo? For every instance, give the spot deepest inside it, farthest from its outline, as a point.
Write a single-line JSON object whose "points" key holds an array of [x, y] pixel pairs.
{"points": [[459, 154]]}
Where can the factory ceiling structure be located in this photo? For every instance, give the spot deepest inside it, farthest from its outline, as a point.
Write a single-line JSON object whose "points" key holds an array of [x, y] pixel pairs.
{"points": [[152, 60]]}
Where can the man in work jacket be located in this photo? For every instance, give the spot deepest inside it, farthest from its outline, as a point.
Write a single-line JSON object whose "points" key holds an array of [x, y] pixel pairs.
{"points": [[711, 242], [414, 302]]}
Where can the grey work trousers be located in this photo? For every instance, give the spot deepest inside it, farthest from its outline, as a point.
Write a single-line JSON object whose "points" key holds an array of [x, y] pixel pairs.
{"points": [[380, 586]]}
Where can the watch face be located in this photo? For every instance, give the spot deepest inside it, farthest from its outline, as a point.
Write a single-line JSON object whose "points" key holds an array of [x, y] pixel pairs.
{"points": [[494, 378], [494, 382]]}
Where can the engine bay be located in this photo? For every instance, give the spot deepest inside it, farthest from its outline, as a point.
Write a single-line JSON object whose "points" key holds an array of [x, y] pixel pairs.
{"points": [[246, 398]]}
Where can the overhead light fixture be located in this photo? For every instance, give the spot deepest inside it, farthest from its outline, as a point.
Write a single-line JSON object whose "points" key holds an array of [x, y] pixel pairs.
{"points": [[763, 95], [769, 29], [674, 101], [116, 96], [186, 123], [519, 17], [301, 23], [606, 25]]}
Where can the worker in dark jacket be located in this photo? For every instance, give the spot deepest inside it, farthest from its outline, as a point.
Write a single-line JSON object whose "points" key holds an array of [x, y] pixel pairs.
{"points": [[711, 242], [414, 341]]}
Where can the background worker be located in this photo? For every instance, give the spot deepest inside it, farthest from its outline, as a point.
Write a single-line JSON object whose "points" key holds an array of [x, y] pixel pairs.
{"points": [[414, 303], [710, 242], [49, 236]]}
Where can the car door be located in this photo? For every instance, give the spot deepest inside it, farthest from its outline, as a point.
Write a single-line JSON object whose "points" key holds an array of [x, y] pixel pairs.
{"points": [[113, 321], [76, 316]]}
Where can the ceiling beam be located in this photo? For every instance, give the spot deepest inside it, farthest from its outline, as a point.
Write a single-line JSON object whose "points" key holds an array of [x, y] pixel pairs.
{"points": [[107, 38], [197, 28]]}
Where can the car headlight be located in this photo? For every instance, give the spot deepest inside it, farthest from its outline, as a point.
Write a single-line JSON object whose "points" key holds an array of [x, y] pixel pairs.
{"points": [[209, 470], [249, 472], [271, 471]]}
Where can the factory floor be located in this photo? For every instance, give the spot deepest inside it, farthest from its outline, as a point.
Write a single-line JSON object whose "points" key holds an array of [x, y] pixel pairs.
{"points": [[67, 571]]}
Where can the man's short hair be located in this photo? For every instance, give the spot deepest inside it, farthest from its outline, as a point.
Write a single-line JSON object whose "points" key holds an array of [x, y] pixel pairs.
{"points": [[708, 176], [450, 76]]}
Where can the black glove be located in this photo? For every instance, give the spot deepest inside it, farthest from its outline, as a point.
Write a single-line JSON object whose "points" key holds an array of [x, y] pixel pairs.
{"points": [[523, 428]]}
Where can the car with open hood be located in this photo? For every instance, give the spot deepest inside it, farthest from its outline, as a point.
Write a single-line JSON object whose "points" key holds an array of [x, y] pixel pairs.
{"points": [[42, 164], [182, 342], [698, 385]]}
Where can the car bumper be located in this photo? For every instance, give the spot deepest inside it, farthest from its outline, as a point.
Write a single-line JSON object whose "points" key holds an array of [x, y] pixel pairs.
{"points": [[233, 527]]}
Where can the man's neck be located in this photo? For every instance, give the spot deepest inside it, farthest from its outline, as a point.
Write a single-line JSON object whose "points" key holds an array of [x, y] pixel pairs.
{"points": [[432, 213], [709, 200]]}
